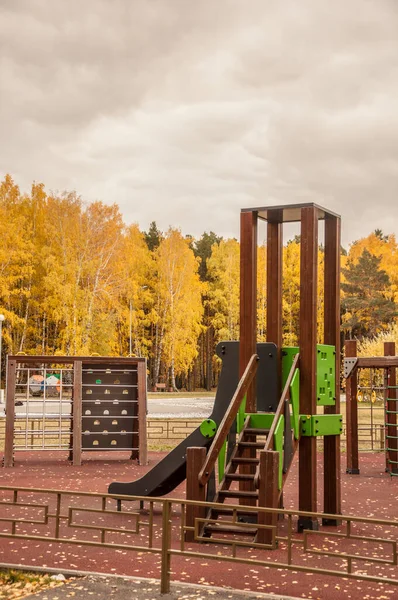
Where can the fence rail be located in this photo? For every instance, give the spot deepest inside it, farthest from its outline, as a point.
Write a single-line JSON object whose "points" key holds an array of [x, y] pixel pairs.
{"points": [[360, 548]]}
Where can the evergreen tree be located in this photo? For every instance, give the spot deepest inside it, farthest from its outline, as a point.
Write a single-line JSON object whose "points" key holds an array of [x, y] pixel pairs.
{"points": [[153, 237], [202, 249], [366, 307]]}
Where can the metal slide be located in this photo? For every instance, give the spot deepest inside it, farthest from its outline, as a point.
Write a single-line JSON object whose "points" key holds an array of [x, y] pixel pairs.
{"points": [[171, 471]]}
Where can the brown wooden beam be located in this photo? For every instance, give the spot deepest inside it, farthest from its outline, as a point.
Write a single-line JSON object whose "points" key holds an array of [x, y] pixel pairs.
{"points": [[10, 413], [248, 298], [308, 340], [274, 283], [391, 417], [376, 362], [268, 495], [351, 393], [77, 413], [142, 412], [195, 491], [331, 444]]}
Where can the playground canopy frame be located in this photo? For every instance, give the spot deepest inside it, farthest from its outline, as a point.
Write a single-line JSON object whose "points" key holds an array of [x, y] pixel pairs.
{"points": [[308, 215]]}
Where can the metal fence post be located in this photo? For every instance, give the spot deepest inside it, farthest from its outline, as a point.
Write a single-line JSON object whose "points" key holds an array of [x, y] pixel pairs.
{"points": [[166, 539]]}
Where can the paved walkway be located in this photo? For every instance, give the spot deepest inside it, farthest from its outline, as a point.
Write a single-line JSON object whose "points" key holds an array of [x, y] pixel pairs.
{"points": [[120, 588]]}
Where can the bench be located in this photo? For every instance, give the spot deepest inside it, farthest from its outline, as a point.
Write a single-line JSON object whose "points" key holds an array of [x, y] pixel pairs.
{"points": [[160, 387]]}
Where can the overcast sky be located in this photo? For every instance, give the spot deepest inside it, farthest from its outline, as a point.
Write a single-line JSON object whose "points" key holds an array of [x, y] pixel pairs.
{"points": [[185, 111]]}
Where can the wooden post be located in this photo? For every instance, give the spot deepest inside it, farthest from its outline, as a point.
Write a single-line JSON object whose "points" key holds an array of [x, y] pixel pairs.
{"points": [[248, 298], [391, 417], [10, 413], [142, 411], [274, 283], [352, 413], [268, 494], [195, 491], [274, 291], [308, 339], [331, 443], [77, 413]]}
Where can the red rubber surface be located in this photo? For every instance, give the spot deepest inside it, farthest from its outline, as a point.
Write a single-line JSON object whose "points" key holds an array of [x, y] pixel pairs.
{"points": [[371, 494]]}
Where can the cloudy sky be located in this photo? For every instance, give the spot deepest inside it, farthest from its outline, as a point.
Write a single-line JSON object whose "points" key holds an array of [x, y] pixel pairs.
{"points": [[185, 111]]}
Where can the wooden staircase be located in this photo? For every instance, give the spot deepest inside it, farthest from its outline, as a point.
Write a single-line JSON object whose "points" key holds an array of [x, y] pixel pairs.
{"points": [[255, 471], [241, 469]]}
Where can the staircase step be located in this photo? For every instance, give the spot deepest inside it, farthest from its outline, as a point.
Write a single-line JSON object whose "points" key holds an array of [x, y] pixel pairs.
{"points": [[239, 476], [237, 494], [214, 528], [245, 461], [253, 431], [230, 511], [251, 445]]}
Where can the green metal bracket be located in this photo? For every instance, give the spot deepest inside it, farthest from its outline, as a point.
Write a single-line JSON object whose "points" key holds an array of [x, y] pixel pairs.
{"points": [[326, 375], [295, 402], [208, 428], [278, 445], [318, 425], [221, 461]]}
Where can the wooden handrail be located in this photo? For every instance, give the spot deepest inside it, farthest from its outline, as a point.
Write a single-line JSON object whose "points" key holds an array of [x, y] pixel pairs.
{"points": [[228, 419], [269, 445]]}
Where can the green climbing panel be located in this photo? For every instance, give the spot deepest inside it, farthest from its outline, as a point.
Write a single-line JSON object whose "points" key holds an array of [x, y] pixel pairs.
{"points": [[326, 375], [325, 372]]}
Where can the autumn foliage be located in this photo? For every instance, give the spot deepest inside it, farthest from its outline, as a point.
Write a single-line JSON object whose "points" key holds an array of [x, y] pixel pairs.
{"points": [[75, 279]]}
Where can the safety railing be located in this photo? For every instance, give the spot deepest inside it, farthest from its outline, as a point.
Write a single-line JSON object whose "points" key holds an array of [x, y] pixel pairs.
{"points": [[359, 549], [228, 420], [280, 412]]}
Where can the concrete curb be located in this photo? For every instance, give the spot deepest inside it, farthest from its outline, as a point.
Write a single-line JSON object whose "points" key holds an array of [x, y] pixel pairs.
{"points": [[175, 584]]}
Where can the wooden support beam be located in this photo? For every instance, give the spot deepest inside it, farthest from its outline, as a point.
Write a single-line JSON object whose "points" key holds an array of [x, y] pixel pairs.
{"points": [[142, 412], [391, 417], [274, 282], [248, 297], [331, 444], [308, 339], [352, 413], [195, 491], [268, 495], [10, 413], [77, 413]]}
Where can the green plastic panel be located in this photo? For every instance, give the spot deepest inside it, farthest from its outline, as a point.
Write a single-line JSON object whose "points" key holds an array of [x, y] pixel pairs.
{"points": [[240, 417], [318, 425], [288, 354], [261, 420], [295, 402], [326, 375], [208, 428], [221, 461], [278, 445]]}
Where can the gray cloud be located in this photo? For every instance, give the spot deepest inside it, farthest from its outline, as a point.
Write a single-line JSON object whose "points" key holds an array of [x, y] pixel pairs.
{"points": [[185, 112]]}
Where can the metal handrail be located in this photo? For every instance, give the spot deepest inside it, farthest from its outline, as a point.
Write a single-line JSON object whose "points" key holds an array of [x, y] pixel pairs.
{"points": [[228, 419]]}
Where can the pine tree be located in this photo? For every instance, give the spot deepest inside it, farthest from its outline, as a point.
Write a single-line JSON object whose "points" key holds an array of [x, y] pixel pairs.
{"points": [[366, 308], [153, 237]]}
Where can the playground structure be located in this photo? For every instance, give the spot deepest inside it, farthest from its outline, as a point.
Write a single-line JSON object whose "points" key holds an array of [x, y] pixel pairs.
{"points": [[385, 366], [75, 403], [252, 438]]}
